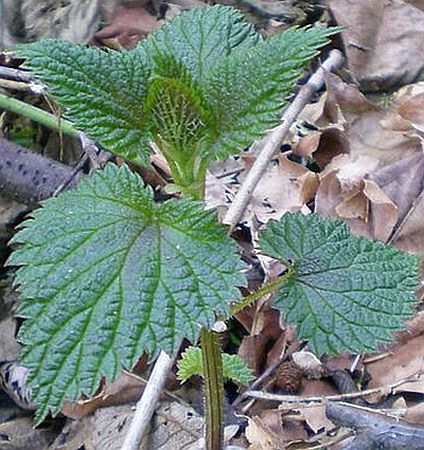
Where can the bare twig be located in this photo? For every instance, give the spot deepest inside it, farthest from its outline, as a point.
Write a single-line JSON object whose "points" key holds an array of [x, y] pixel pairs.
{"points": [[16, 85], [375, 430], [299, 399], [147, 404], [15, 74], [272, 142]]}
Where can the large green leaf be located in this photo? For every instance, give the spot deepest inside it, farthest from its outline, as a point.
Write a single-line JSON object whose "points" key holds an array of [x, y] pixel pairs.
{"points": [[211, 84], [346, 292], [107, 274], [198, 39], [249, 89], [103, 92]]}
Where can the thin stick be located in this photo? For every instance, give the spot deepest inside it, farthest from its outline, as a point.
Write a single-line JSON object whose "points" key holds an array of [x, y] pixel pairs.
{"points": [[15, 74], [298, 399], [273, 141], [147, 404], [16, 85]]}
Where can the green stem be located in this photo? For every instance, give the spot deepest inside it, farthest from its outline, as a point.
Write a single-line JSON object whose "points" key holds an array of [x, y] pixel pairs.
{"points": [[214, 389], [211, 359], [264, 290], [37, 115]]}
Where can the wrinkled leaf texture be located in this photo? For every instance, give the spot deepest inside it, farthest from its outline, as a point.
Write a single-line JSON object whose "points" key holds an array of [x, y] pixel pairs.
{"points": [[238, 82], [346, 292], [107, 274]]}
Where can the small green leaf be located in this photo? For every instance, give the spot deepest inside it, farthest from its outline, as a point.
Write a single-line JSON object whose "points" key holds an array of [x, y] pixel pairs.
{"points": [[233, 366], [177, 117], [103, 92], [346, 292], [107, 274], [249, 88], [190, 364], [235, 369]]}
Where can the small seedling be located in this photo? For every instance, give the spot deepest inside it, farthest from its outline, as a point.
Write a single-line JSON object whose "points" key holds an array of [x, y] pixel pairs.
{"points": [[106, 273]]}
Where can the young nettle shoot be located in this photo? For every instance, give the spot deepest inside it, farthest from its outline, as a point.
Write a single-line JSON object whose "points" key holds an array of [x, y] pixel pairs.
{"points": [[107, 274]]}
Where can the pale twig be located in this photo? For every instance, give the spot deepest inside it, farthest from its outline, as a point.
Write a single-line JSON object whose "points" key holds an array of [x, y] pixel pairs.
{"points": [[147, 404], [15, 74], [271, 144], [16, 85], [299, 399]]}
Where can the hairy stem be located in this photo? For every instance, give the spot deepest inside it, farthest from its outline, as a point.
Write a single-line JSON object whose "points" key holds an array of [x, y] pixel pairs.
{"points": [[37, 115], [214, 389], [264, 290], [212, 364]]}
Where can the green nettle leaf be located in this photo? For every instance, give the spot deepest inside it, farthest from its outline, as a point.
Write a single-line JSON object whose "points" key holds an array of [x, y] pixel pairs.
{"points": [[345, 292], [233, 366], [205, 83], [103, 92], [248, 89], [198, 39], [107, 274]]}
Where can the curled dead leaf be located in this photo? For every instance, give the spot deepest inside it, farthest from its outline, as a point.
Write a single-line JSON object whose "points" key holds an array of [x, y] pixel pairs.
{"points": [[345, 193], [383, 41]]}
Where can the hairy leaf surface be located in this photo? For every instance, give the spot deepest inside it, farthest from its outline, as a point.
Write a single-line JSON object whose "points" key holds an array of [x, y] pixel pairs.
{"points": [[249, 89], [346, 292], [108, 274], [103, 92], [198, 39], [206, 83], [233, 367]]}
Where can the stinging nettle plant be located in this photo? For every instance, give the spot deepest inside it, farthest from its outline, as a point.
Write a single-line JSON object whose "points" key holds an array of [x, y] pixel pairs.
{"points": [[106, 273]]}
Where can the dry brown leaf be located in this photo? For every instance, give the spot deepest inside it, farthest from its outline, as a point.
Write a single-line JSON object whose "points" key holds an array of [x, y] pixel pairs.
{"points": [[309, 363], [265, 331], [252, 350], [410, 235], [130, 23], [373, 131], [402, 181], [285, 187], [404, 361], [323, 146], [316, 418], [383, 41], [19, 434], [128, 387], [344, 101], [415, 327], [411, 105], [345, 193], [175, 426], [260, 435], [415, 413]]}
